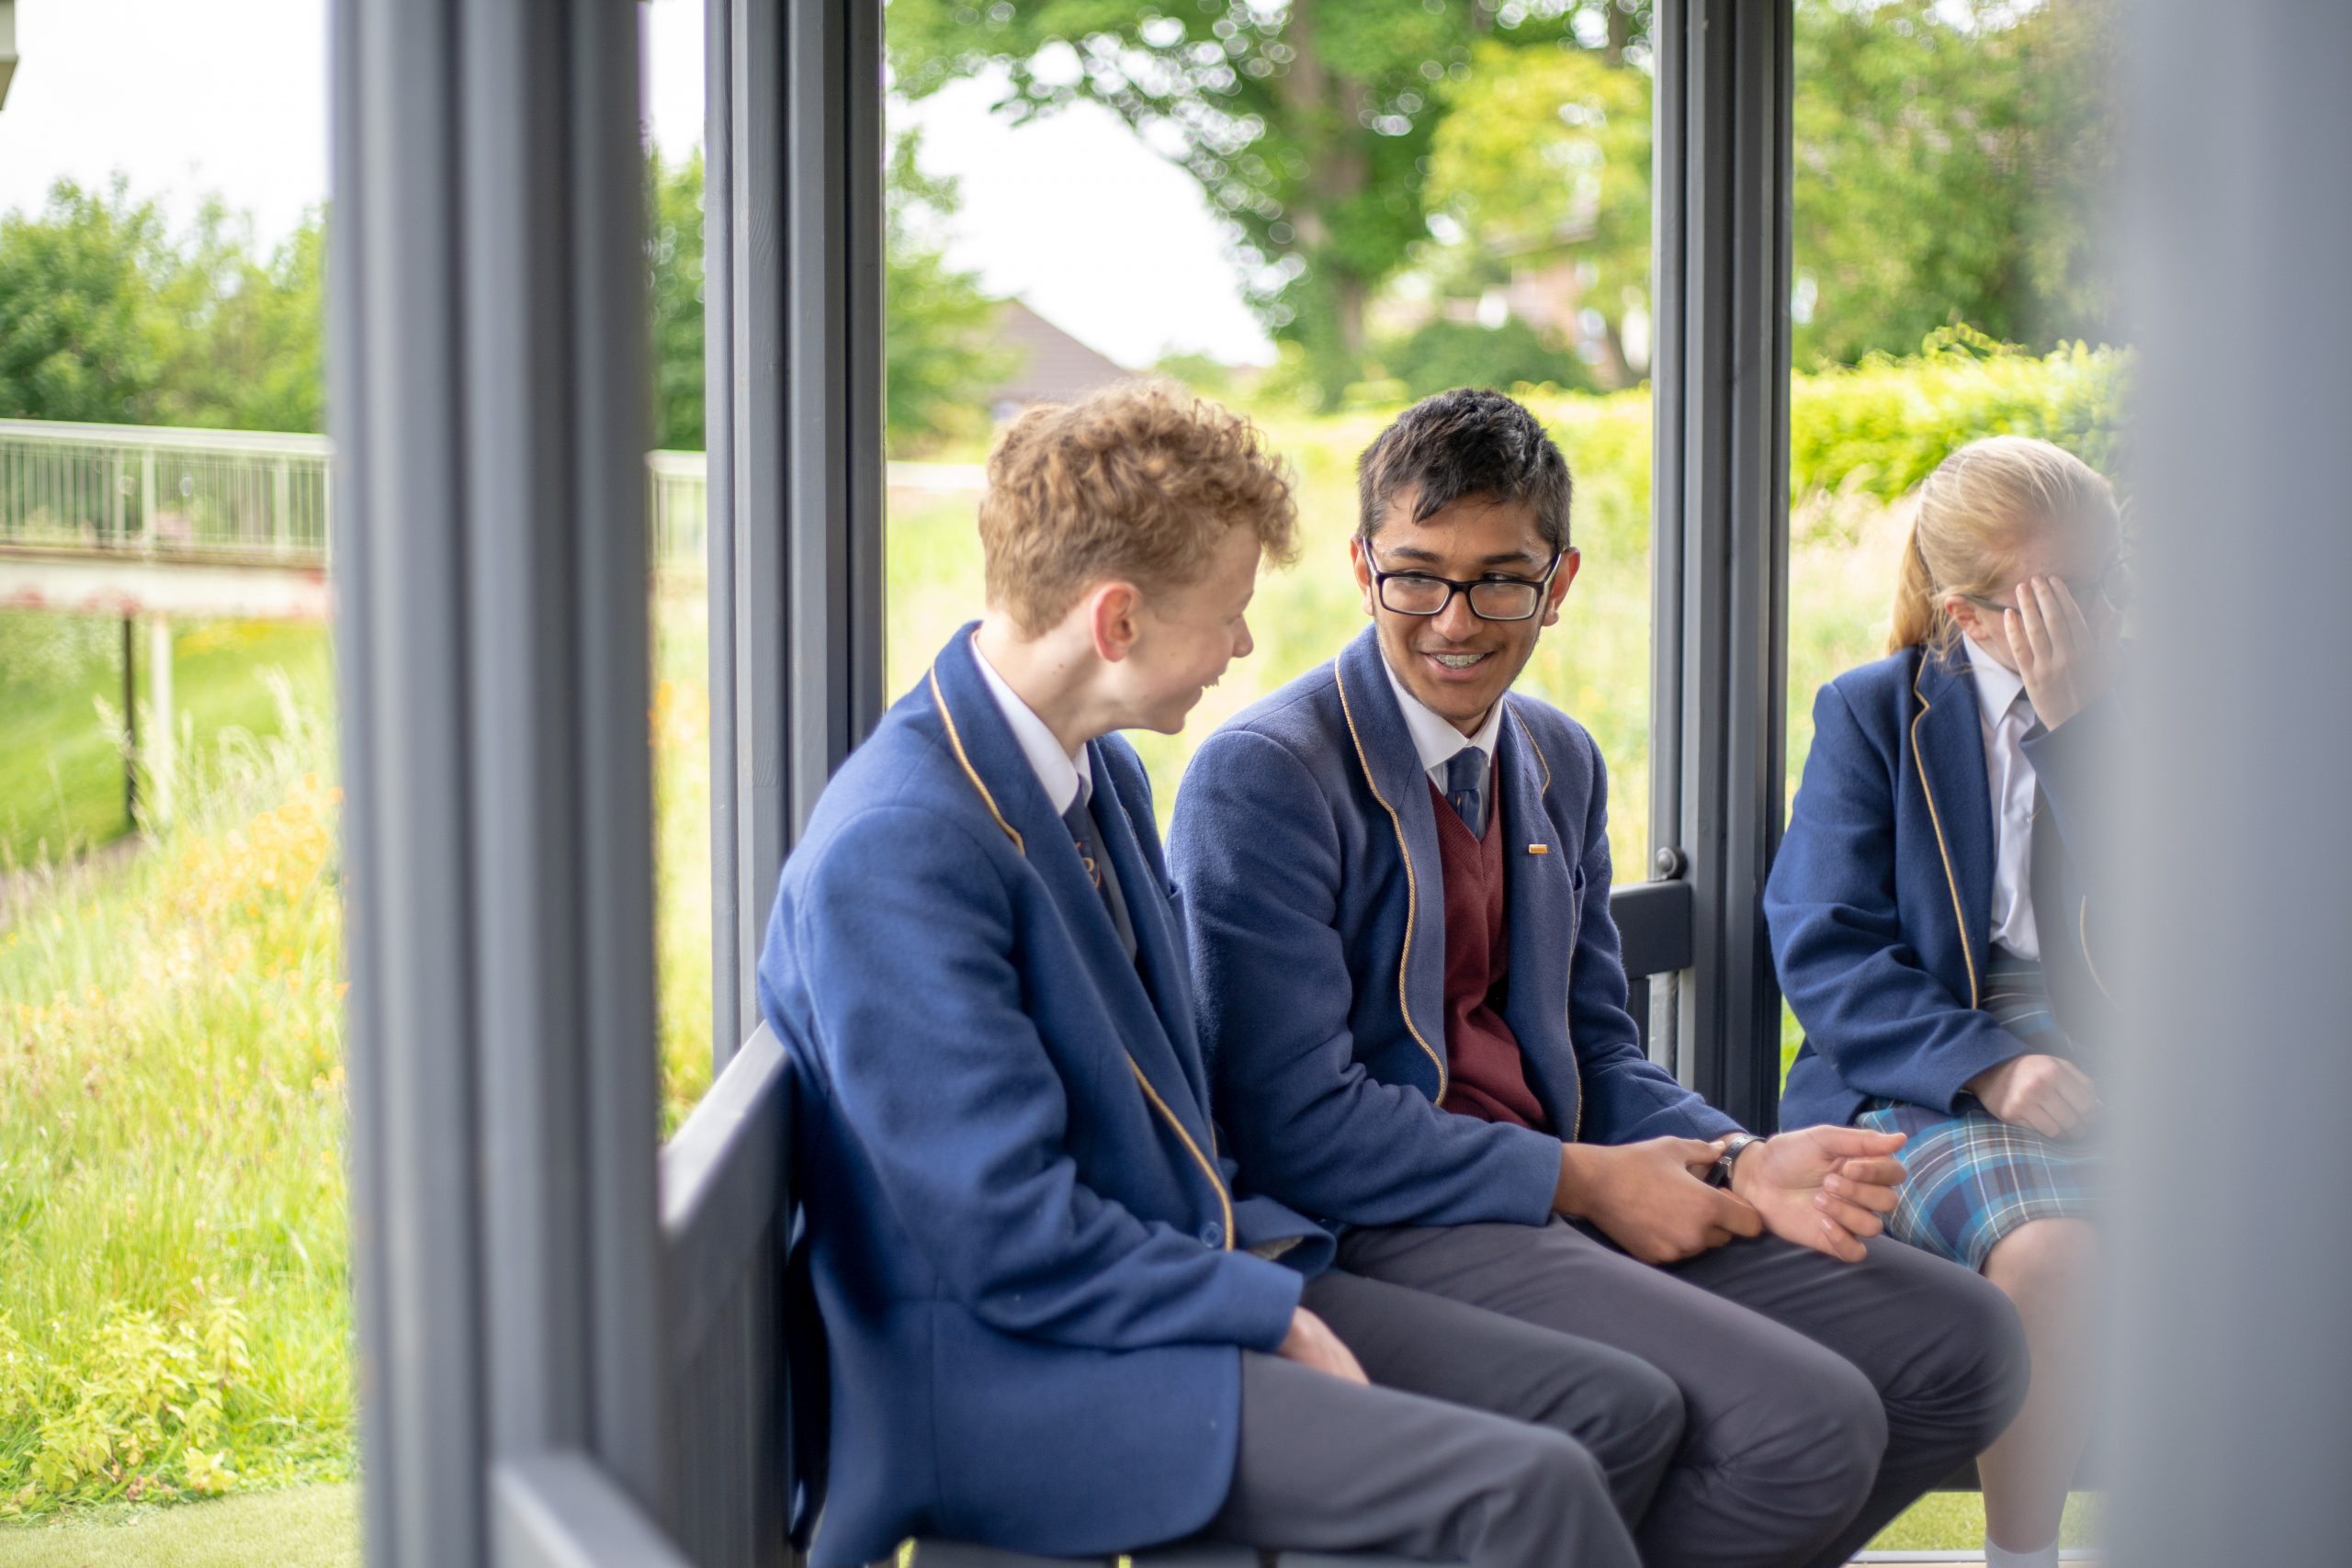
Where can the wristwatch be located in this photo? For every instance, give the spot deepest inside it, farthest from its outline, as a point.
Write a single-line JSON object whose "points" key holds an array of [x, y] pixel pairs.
{"points": [[1719, 1173]]}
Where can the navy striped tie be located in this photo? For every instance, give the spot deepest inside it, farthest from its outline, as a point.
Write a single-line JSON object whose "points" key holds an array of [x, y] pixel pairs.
{"points": [[1465, 788]]}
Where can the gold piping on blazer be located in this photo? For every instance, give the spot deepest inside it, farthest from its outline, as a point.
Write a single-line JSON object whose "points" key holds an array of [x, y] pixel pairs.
{"points": [[955, 740], [1224, 1200], [1576, 1129], [1936, 821], [1529, 735], [1412, 886]]}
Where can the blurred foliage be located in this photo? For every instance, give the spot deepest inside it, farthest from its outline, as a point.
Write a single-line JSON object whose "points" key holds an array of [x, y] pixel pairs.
{"points": [[940, 353], [108, 316], [1953, 159], [1442, 354]]}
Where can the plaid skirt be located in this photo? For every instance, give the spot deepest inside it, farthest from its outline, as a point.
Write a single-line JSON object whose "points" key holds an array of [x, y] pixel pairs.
{"points": [[1970, 1178]]}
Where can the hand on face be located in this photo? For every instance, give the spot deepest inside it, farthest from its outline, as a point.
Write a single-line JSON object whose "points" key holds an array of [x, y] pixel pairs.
{"points": [[1822, 1186], [2064, 660], [1652, 1198]]}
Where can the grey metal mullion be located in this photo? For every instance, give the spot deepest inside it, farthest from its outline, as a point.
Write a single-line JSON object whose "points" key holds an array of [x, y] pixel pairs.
{"points": [[1668, 564], [1756, 444], [348, 573], [727, 1022], [764, 696], [400, 135], [610, 654], [866, 500], [1724, 70], [817, 355], [528, 887]]}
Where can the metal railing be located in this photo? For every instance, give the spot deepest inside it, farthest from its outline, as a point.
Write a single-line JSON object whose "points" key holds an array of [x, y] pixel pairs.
{"points": [[210, 494], [245, 496]]}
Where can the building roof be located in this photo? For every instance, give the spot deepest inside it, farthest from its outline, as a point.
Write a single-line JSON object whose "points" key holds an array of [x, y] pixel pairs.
{"points": [[1055, 366]]}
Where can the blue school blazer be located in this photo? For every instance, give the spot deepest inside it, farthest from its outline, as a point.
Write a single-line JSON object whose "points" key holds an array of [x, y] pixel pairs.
{"points": [[1880, 904], [1305, 852], [1032, 1265]]}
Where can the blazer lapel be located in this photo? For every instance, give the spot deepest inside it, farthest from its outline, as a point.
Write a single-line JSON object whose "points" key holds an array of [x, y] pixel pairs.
{"points": [[1948, 750], [1160, 966], [1000, 770], [1540, 888], [1392, 766]]}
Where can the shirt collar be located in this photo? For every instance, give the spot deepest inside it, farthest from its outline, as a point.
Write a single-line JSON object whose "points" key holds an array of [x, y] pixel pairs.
{"points": [[1997, 686], [1068, 776], [1434, 737]]}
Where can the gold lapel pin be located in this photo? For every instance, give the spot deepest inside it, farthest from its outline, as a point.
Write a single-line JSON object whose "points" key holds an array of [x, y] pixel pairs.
{"points": [[1539, 849]]}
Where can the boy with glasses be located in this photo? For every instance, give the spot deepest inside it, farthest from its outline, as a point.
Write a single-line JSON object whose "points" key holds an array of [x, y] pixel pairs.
{"points": [[1394, 873]]}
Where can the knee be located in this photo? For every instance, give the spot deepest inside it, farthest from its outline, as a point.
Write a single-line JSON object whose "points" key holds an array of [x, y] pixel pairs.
{"points": [[1834, 1432], [1548, 1468], [2054, 1260], [1974, 1381]]}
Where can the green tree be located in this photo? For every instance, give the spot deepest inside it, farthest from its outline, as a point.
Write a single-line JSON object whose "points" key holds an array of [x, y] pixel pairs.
{"points": [[675, 294], [939, 354], [1542, 157], [82, 331], [1950, 160], [244, 338], [939, 351], [1307, 125]]}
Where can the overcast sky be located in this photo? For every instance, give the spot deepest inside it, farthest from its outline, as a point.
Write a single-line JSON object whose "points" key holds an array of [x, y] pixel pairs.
{"points": [[190, 96]]}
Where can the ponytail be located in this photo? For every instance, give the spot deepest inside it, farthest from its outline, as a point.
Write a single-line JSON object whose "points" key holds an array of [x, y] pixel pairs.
{"points": [[1920, 619]]}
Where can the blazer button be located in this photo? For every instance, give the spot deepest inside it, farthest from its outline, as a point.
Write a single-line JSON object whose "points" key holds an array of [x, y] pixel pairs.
{"points": [[1213, 1235]]}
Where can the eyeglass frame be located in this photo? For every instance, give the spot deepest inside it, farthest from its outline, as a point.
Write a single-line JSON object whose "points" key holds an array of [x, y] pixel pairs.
{"points": [[2101, 583], [1380, 579]]}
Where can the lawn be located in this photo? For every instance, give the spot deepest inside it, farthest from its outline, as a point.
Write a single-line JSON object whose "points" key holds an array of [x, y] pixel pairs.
{"points": [[61, 706]]}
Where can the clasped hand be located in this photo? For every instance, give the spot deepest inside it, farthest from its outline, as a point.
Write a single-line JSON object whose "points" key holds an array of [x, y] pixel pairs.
{"points": [[1819, 1187]]}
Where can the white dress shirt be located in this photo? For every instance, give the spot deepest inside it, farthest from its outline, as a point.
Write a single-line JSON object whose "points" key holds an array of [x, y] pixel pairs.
{"points": [[1066, 775], [2006, 713], [1434, 735]]}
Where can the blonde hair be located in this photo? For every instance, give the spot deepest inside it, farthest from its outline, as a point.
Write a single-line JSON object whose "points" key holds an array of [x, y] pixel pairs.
{"points": [[1139, 481], [1974, 511]]}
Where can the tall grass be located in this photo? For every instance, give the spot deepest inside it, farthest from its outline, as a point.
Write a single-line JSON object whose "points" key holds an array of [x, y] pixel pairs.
{"points": [[172, 1289]]}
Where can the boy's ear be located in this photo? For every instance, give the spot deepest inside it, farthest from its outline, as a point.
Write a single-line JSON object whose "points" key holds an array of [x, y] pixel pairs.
{"points": [[1570, 559], [1111, 610], [1360, 559]]}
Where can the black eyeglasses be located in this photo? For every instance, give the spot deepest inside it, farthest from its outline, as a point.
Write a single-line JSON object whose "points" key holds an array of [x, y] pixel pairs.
{"points": [[2113, 587], [1491, 598]]}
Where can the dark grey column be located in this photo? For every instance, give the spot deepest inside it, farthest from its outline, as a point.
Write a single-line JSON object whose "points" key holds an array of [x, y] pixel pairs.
{"points": [[1719, 534], [492, 634], [2233, 1372], [797, 502]]}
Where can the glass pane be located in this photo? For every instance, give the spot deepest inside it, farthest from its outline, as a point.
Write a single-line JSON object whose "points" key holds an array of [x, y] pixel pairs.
{"points": [[1470, 207], [676, 489], [1951, 159]]}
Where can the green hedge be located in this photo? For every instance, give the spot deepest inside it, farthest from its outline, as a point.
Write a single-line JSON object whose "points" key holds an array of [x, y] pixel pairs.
{"points": [[1876, 428]]}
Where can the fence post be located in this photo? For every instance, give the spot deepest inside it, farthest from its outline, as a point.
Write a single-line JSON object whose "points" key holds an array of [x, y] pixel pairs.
{"points": [[281, 503], [147, 498], [163, 730]]}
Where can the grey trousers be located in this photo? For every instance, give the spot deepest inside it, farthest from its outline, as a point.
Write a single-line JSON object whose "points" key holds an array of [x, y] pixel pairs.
{"points": [[1482, 1440], [1820, 1398]]}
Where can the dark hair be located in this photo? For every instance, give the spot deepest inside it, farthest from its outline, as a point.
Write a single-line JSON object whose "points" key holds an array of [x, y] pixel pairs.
{"points": [[1464, 443]]}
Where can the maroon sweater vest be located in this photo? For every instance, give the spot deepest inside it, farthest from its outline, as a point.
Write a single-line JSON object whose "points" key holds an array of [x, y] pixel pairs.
{"points": [[1487, 1077]]}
